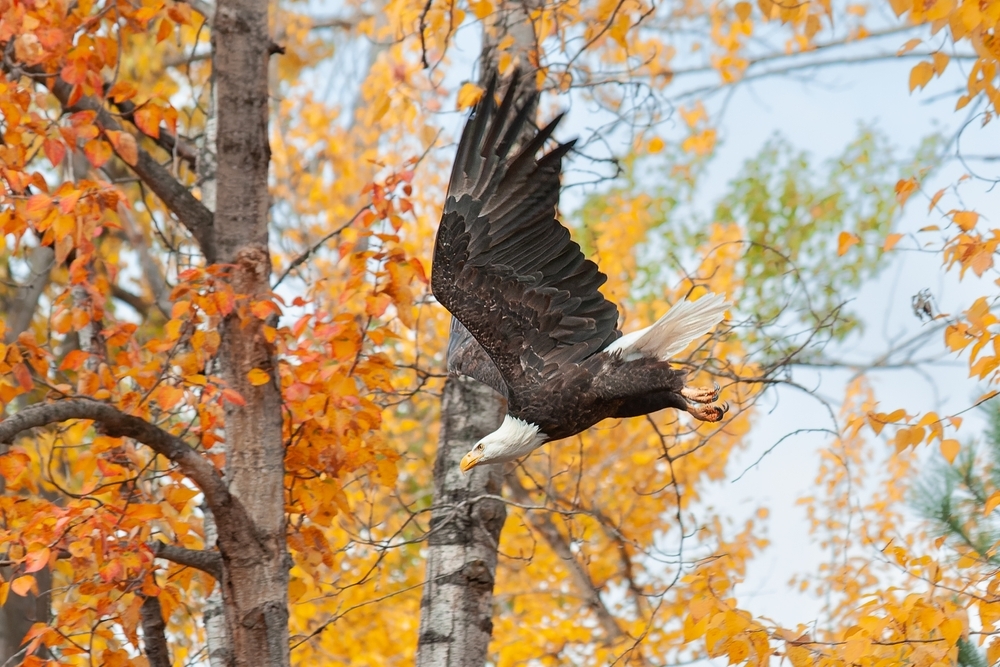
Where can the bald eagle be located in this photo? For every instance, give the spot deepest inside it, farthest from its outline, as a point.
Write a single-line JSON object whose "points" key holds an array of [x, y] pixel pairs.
{"points": [[528, 318]]}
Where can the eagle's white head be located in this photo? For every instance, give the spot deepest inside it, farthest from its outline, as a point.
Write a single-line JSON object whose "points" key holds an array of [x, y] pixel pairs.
{"points": [[515, 438]]}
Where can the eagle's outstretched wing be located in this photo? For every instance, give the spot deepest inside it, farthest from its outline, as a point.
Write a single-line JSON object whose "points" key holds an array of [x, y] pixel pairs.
{"points": [[503, 265]]}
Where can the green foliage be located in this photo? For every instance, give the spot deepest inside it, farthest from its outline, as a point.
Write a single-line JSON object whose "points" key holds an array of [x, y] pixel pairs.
{"points": [[951, 497]]}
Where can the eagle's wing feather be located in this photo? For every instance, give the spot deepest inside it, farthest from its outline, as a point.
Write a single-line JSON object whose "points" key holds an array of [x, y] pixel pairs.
{"points": [[503, 265], [467, 357]]}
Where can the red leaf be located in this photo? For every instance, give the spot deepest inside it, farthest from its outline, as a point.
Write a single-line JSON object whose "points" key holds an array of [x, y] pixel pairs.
{"points": [[55, 151], [23, 376], [234, 397], [36, 560]]}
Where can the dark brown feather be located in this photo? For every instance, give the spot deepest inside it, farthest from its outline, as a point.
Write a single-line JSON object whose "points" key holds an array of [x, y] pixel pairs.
{"points": [[505, 267]]}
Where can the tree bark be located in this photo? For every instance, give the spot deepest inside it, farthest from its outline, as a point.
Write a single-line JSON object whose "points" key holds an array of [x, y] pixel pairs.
{"points": [[255, 573], [19, 613], [154, 638], [457, 605]]}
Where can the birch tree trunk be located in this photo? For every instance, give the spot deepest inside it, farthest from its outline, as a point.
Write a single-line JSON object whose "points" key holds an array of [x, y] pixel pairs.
{"points": [[456, 609], [18, 614]]}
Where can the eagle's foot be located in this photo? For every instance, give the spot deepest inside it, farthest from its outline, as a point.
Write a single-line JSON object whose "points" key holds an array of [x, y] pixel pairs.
{"points": [[702, 394], [709, 413]]}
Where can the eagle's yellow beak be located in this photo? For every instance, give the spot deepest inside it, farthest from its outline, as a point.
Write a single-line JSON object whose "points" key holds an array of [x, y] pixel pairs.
{"points": [[470, 460]]}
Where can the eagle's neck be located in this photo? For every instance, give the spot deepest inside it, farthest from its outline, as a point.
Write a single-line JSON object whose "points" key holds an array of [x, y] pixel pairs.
{"points": [[515, 438]]}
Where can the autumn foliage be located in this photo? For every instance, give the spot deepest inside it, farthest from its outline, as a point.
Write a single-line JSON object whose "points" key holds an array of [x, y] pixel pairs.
{"points": [[113, 292]]}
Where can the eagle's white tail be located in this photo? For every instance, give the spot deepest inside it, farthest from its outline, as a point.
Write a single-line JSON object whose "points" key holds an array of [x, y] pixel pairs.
{"points": [[670, 334]]}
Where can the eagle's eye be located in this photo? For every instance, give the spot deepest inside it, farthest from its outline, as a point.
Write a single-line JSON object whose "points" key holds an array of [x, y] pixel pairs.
{"points": [[480, 447]]}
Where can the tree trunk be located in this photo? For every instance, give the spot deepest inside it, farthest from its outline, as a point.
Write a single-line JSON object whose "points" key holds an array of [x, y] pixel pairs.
{"points": [[18, 613], [457, 605], [255, 571]]}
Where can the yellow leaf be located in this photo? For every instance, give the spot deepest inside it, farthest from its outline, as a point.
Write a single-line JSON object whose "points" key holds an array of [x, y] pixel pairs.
{"points": [[743, 10], [949, 449], [951, 629], [909, 46], [920, 75], [890, 242], [468, 95], [845, 241], [258, 377], [992, 502], [482, 9], [993, 651], [940, 62], [655, 145]]}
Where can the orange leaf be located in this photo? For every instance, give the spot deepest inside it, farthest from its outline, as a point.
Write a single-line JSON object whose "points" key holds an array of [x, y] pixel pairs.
{"points": [[233, 397], [97, 151], [909, 46], [935, 199], [125, 146], [169, 396], [845, 241], [12, 464], [165, 30], [949, 449], [74, 360], [22, 585], [258, 377], [147, 119], [890, 242], [743, 10], [121, 91], [38, 204], [966, 220], [904, 188], [264, 309]]}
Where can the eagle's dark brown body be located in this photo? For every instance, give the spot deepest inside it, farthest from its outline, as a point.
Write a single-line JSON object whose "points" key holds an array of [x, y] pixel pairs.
{"points": [[529, 317]]}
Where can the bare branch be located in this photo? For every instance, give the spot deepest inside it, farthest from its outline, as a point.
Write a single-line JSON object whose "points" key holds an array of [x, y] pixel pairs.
{"points": [[154, 638], [208, 562], [316, 246], [118, 424], [20, 313], [151, 271]]}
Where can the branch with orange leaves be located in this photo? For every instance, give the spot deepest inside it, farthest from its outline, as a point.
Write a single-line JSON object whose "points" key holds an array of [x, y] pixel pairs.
{"points": [[116, 424], [191, 213]]}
